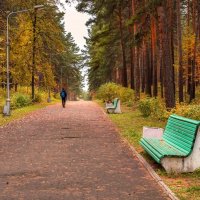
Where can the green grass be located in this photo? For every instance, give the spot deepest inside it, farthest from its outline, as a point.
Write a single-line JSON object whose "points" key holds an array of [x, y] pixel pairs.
{"points": [[130, 123], [19, 113], [194, 189], [185, 185]]}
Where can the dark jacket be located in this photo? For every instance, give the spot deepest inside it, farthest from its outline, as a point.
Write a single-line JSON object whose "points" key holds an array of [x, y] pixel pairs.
{"points": [[63, 94]]}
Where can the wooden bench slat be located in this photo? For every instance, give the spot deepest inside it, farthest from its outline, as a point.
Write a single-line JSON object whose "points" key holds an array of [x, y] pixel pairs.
{"points": [[160, 149], [196, 122], [163, 147], [186, 135], [178, 145], [155, 154], [178, 139], [174, 139], [176, 124]]}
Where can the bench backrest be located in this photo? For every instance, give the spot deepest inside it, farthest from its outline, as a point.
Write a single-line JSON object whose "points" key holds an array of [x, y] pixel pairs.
{"points": [[115, 102], [181, 132]]}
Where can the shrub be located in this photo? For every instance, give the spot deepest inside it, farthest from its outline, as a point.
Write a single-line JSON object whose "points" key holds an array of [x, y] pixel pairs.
{"points": [[154, 108], [145, 107], [2, 98], [189, 111], [41, 96], [56, 95], [38, 98], [126, 96], [2, 92], [159, 110], [20, 100], [109, 91]]}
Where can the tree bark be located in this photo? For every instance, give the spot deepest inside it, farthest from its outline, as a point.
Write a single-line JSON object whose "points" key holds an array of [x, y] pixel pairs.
{"points": [[137, 68], [163, 13], [132, 53], [154, 56], [148, 70], [124, 71], [196, 22], [189, 71], [142, 67], [179, 36]]}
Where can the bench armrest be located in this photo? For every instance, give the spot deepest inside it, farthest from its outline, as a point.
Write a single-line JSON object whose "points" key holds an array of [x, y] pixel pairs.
{"points": [[152, 132]]}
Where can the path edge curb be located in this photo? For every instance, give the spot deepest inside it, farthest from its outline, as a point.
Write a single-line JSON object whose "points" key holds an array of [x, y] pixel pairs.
{"points": [[156, 177], [148, 167]]}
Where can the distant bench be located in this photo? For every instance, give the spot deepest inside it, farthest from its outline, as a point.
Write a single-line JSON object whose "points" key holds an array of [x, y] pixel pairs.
{"points": [[178, 150], [114, 107]]}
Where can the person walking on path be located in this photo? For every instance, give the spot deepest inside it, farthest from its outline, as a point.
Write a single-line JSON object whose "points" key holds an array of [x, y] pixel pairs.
{"points": [[63, 95]]}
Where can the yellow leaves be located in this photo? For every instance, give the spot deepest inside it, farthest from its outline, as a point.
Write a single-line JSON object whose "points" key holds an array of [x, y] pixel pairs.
{"points": [[48, 75], [188, 50], [188, 43]]}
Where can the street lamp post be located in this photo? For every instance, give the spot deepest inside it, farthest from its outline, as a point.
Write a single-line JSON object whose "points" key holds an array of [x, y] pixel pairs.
{"points": [[6, 110]]}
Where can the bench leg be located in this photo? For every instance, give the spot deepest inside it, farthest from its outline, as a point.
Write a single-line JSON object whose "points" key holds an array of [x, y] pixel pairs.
{"points": [[110, 110], [188, 164]]}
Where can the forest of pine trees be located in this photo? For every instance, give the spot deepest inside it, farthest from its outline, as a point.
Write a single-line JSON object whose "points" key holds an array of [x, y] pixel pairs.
{"points": [[151, 46], [39, 47]]}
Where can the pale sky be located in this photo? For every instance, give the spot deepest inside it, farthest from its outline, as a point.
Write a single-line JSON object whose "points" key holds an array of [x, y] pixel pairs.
{"points": [[75, 23]]}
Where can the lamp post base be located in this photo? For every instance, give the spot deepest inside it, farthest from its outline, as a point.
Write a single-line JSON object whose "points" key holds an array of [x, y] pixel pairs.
{"points": [[6, 109], [49, 99]]}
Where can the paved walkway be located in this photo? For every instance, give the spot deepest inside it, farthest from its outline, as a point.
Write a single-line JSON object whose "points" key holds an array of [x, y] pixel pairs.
{"points": [[71, 154]]}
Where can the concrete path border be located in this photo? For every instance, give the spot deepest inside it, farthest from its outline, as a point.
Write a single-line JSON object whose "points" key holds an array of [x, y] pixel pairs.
{"points": [[156, 177]]}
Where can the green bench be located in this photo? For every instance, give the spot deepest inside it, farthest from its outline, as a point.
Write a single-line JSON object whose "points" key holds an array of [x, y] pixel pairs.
{"points": [[177, 140], [114, 107]]}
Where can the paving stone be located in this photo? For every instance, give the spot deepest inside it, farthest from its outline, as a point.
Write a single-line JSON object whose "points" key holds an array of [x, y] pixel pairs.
{"points": [[70, 154]]}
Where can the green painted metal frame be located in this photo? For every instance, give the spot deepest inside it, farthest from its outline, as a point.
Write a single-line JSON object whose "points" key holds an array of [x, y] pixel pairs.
{"points": [[177, 141]]}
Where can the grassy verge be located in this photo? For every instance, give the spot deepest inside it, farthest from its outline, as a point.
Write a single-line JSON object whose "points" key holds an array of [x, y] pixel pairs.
{"points": [[130, 123], [19, 113]]}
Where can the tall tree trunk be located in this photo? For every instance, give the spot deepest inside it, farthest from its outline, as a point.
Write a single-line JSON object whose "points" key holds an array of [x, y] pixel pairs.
{"points": [[161, 79], [137, 73], [161, 59], [148, 70], [195, 20], [16, 87], [137, 68], [132, 52], [142, 67], [124, 71], [154, 56], [189, 71], [179, 36], [171, 14], [132, 68], [163, 13]]}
